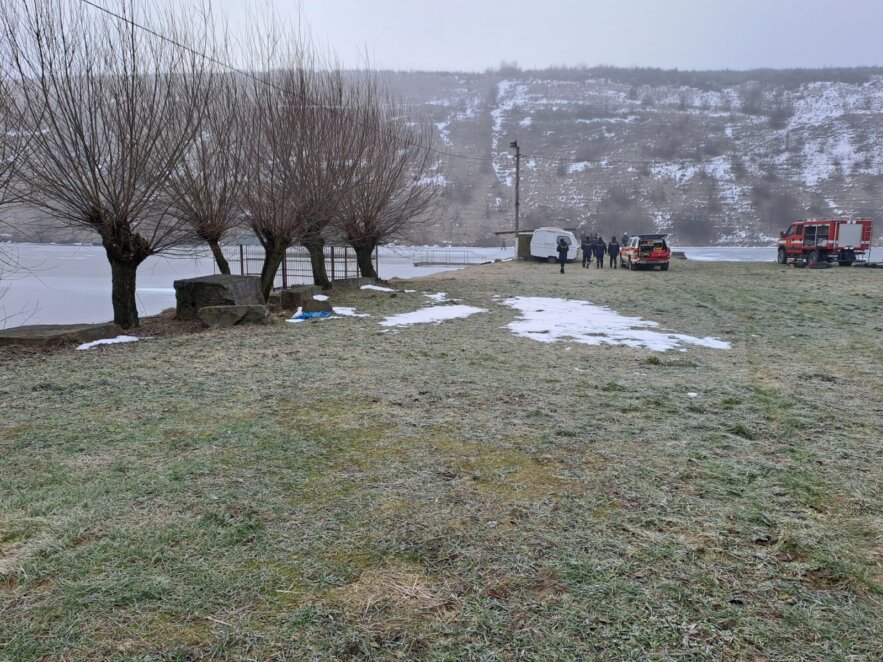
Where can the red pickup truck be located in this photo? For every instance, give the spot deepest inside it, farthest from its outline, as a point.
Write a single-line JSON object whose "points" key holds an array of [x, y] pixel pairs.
{"points": [[825, 240], [645, 250]]}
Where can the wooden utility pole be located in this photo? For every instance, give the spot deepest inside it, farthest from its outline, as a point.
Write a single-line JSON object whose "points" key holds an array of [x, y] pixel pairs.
{"points": [[514, 145]]}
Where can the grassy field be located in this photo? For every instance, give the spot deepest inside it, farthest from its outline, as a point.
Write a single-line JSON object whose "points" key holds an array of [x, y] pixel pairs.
{"points": [[330, 491]]}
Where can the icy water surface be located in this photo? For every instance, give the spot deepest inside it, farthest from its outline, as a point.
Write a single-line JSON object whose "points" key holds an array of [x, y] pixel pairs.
{"points": [[68, 284]]}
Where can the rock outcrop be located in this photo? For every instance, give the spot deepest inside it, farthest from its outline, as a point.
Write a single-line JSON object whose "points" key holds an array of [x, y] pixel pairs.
{"points": [[218, 317], [291, 299], [313, 306], [192, 294], [49, 335]]}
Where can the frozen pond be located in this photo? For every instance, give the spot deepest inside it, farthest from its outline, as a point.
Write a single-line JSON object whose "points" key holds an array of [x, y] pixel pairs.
{"points": [[729, 253], [66, 284]]}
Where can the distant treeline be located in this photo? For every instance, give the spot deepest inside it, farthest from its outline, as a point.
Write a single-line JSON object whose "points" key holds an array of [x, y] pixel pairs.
{"points": [[703, 80]]}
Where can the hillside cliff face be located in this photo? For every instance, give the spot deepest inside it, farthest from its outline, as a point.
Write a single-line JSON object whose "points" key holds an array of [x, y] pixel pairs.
{"points": [[722, 158]]}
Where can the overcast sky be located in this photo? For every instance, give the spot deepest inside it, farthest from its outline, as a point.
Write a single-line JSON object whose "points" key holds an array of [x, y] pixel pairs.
{"points": [[472, 35]]}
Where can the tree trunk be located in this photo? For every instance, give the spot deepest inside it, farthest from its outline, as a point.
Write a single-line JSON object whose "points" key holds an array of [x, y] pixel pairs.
{"points": [[125, 308], [220, 260], [125, 251], [365, 260], [316, 249], [273, 256]]}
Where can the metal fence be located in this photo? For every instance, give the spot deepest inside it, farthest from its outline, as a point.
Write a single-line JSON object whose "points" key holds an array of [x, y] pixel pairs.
{"points": [[447, 256], [340, 262]]}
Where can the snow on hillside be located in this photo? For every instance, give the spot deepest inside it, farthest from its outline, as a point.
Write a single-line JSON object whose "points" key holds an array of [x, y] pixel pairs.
{"points": [[731, 165], [509, 96]]}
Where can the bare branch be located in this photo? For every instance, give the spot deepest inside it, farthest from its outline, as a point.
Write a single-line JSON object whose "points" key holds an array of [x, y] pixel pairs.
{"points": [[399, 179]]}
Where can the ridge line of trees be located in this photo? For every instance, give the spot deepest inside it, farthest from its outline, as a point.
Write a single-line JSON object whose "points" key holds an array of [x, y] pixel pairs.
{"points": [[703, 79]]}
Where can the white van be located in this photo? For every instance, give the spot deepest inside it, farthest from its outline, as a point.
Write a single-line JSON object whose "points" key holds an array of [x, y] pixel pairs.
{"points": [[544, 244]]}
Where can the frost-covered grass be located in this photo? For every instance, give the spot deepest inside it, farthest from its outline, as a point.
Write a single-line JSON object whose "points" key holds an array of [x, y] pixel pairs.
{"points": [[455, 491]]}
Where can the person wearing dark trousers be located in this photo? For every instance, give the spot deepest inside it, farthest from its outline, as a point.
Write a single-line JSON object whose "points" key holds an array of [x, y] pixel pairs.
{"points": [[562, 253], [587, 252], [613, 252], [600, 251]]}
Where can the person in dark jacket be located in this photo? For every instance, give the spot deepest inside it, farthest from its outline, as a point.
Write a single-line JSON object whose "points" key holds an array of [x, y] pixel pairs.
{"points": [[587, 251], [600, 250], [613, 252], [625, 239], [563, 247]]}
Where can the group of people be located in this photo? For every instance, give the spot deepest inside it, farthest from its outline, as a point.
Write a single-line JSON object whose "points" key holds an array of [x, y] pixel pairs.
{"points": [[593, 245]]}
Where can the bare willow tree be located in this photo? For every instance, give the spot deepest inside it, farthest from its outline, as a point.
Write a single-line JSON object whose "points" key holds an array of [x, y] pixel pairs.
{"points": [[122, 106], [267, 167], [399, 179], [13, 142], [205, 188], [297, 162], [338, 134]]}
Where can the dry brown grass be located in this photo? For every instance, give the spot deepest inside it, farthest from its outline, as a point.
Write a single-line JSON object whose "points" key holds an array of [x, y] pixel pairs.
{"points": [[329, 491]]}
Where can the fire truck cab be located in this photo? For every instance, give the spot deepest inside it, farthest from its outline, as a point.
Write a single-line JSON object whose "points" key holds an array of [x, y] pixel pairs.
{"points": [[825, 240]]}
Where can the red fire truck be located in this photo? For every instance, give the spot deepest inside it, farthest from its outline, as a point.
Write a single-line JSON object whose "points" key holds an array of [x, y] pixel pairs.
{"points": [[825, 240], [645, 250]]}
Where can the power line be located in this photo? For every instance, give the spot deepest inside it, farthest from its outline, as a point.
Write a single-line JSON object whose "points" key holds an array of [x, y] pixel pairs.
{"points": [[440, 152]]}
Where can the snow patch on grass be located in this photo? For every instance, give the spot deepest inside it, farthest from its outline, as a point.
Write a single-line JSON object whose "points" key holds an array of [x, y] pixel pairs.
{"points": [[548, 319], [109, 341], [431, 315], [348, 312], [377, 288]]}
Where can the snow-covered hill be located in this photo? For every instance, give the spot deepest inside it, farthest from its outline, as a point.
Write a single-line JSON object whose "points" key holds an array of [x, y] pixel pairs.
{"points": [[712, 164]]}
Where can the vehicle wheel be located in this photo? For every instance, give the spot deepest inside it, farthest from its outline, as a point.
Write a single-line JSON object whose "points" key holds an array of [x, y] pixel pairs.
{"points": [[782, 257], [812, 259], [664, 267], [552, 260], [845, 263]]}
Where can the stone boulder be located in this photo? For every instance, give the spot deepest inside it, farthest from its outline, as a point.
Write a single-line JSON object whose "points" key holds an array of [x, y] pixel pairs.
{"points": [[50, 335], [313, 306], [218, 317], [192, 294], [291, 299]]}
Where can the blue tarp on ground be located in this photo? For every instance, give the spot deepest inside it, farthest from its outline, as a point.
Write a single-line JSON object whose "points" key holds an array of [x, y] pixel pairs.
{"points": [[307, 316]]}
